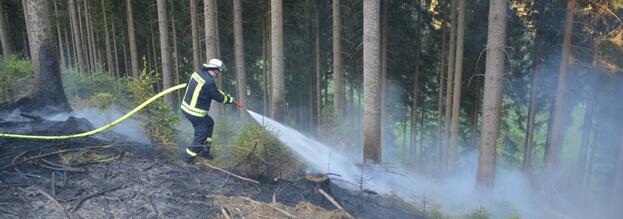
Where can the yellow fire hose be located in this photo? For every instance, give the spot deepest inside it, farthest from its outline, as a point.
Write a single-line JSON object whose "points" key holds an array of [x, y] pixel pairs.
{"points": [[100, 129]]}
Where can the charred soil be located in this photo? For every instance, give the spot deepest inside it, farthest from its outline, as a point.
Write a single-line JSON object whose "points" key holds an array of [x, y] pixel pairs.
{"points": [[95, 178]]}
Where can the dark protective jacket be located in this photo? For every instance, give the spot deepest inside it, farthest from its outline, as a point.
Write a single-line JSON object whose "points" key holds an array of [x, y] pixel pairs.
{"points": [[200, 92]]}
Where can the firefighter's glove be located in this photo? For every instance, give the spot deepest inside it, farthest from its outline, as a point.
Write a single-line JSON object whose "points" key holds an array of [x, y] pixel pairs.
{"points": [[239, 104]]}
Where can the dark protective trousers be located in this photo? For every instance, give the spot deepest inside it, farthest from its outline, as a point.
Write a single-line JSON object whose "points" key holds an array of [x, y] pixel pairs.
{"points": [[202, 139]]}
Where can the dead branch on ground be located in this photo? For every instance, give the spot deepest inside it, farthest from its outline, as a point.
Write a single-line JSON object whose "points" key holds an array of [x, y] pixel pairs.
{"points": [[225, 214], [269, 205], [61, 167], [12, 164], [231, 174], [95, 195], [334, 202], [58, 205]]}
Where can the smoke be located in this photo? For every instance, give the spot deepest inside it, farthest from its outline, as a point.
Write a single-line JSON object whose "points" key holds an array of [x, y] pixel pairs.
{"points": [[128, 130], [455, 194]]}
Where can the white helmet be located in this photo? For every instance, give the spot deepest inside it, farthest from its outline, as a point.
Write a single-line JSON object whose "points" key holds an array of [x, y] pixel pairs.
{"points": [[214, 64]]}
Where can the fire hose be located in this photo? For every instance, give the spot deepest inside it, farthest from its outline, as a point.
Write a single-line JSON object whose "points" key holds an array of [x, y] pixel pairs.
{"points": [[100, 129]]}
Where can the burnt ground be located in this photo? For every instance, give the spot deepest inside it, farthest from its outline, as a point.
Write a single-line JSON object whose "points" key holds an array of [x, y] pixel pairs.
{"points": [[94, 178]]}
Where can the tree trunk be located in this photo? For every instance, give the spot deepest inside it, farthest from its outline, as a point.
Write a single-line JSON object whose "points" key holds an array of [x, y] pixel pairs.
{"points": [[494, 71], [440, 96], [456, 101], [416, 81], [277, 65], [527, 156], [85, 41], [211, 34], [588, 118], [114, 45], [473, 136], [449, 87], [217, 36], [618, 180], [88, 42], [371, 79], [210, 29], [89, 20], [383, 59], [558, 126], [239, 53], [48, 89], [109, 60], [76, 33], [176, 54], [5, 39], [548, 138], [132, 40], [266, 56], [125, 56], [58, 31], [195, 35], [69, 50], [73, 52], [318, 96], [338, 73], [165, 51]]}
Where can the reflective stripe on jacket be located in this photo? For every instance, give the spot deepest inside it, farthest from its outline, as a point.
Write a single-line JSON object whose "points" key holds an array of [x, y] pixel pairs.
{"points": [[200, 92]]}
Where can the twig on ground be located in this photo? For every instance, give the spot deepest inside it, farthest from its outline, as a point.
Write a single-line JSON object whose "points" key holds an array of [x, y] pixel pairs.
{"points": [[58, 205], [3, 211], [14, 185], [102, 160], [18, 156], [63, 167], [225, 214], [231, 174], [53, 183], [271, 206], [279, 187], [55, 153], [95, 195], [149, 167], [23, 175], [334, 202]]}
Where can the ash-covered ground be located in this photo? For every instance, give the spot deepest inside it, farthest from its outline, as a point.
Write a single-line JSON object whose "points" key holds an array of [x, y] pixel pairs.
{"points": [[95, 178]]}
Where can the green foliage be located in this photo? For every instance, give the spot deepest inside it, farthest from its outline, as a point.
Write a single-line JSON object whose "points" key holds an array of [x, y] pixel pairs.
{"points": [[480, 213], [15, 78], [101, 100], [85, 87], [261, 155], [158, 118], [437, 214], [514, 215]]}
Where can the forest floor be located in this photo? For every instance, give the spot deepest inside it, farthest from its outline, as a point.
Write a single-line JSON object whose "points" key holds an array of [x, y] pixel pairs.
{"points": [[95, 178]]}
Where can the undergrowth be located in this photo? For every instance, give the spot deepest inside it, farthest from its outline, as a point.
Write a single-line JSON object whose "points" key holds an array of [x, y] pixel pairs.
{"points": [[16, 76], [261, 155], [158, 118]]}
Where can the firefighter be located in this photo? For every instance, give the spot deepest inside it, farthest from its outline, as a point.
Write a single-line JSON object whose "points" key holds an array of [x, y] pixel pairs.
{"points": [[200, 92]]}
